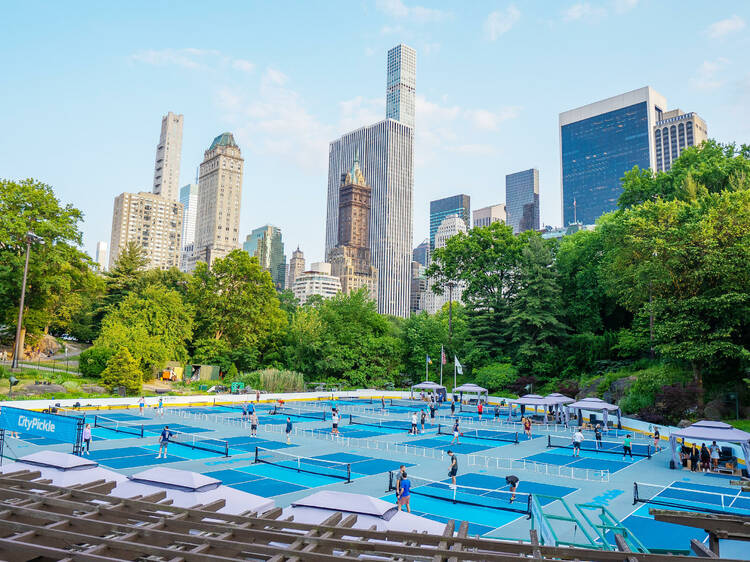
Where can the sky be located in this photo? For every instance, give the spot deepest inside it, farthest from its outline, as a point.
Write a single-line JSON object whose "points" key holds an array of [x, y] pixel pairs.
{"points": [[84, 85]]}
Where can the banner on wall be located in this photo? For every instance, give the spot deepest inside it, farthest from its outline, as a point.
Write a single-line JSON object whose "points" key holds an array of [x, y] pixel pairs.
{"points": [[53, 426]]}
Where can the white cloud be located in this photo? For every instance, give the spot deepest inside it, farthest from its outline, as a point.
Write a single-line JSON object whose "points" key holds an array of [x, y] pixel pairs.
{"points": [[191, 58], [501, 21], [622, 6], [360, 111], [430, 48], [725, 27], [582, 11], [369, 51], [398, 10], [391, 30], [708, 76], [275, 77], [243, 65], [489, 120]]}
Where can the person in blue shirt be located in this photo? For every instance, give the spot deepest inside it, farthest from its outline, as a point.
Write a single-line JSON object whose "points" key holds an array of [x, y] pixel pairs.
{"points": [[244, 411], [288, 430], [161, 407], [404, 493], [164, 441]]}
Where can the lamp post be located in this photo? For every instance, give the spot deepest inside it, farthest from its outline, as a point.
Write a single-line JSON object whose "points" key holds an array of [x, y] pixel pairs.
{"points": [[30, 237], [450, 284]]}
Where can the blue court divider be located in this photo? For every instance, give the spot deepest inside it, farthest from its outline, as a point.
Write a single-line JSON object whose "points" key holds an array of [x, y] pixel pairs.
{"points": [[53, 426]]}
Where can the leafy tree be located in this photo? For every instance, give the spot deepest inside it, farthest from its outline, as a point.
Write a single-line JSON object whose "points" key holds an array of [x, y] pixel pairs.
{"points": [[423, 334], [533, 325], [93, 360], [288, 302], [236, 301], [123, 371], [155, 325], [496, 376]]}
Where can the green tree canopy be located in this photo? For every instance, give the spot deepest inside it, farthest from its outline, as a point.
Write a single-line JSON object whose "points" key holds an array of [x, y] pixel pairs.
{"points": [[123, 370]]}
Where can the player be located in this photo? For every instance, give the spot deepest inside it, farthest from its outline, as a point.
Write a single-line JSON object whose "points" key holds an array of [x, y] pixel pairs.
{"points": [[164, 441]]}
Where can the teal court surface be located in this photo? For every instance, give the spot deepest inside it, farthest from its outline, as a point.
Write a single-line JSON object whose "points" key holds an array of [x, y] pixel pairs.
{"points": [[374, 442]]}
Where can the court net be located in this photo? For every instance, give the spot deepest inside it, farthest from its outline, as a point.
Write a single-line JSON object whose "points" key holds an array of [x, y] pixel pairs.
{"points": [[487, 410], [310, 465], [299, 412], [208, 444], [130, 428], [407, 403], [501, 499], [708, 499], [402, 425], [490, 434], [601, 446]]}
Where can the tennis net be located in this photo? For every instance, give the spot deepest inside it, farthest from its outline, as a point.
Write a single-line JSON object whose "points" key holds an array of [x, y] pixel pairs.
{"points": [[404, 425], [407, 403], [310, 465], [693, 497], [501, 499], [601, 446], [208, 444], [135, 429], [299, 412], [491, 434]]}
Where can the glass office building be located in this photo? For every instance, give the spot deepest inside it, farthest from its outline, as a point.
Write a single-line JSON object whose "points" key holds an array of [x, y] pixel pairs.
{"points": [[522, 200], [599, 143], [441, 208]]}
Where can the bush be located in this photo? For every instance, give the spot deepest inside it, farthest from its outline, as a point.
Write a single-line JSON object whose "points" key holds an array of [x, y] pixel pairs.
{"points": [[123, 370], [672, 403], [273, 380], [649, 382], [94, 360], [496, 376]]}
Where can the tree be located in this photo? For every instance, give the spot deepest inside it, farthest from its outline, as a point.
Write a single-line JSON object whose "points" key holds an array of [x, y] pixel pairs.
{"points": [[533, 326], [93, 360], [123, 371], [154, 324], [57, 268], [423, 335], [236, 301]]}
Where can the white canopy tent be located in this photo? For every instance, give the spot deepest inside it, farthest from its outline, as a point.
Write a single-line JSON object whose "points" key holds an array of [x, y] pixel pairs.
{"points": [[534, 400], [596, 405], [707, 431], [429, 386], [63, 469], [371, 512], [557, 401], [470, 388], [186, 489]]}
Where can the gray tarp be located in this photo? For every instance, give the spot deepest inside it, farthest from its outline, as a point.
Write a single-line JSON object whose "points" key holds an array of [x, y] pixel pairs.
{"points": [[706, 431], [595, 405]]}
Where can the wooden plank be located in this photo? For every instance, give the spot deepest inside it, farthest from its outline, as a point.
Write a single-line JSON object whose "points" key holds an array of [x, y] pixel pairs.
{"points": [[535, 552], [701, 549], [622, 546]]}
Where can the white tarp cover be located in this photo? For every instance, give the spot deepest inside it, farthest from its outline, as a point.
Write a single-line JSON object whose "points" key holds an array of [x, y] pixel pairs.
{"points": [[469, 388], [63, 469], [370, 511], [557, 398], [428, 385], [531, 400], [707, 431], [596, 405]]}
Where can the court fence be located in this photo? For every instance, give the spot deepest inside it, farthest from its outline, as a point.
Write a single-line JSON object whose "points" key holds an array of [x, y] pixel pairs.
{"points": [[555, 470]]}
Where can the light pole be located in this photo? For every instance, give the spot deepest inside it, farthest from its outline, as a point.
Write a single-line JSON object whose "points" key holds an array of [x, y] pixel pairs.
{"points": [[450, 284], [30, 237]]}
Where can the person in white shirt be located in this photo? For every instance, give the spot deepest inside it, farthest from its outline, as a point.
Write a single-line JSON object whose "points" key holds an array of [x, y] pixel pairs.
{"points": [[577, 440], [335, 420], [414, 423]]}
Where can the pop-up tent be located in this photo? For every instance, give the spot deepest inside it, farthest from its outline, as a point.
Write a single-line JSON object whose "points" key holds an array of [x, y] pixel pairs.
{"points": [[596, 405], [429, 386], [557, 401], [470, 388], [529, 400], [557, 398], [707, 431]]}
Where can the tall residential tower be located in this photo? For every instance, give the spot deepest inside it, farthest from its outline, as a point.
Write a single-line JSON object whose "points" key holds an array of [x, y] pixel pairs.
{"points": [[441, 208], [219, 194], [265, 243], [168, 154], [522, 200], [401, 85], [189, 200]]}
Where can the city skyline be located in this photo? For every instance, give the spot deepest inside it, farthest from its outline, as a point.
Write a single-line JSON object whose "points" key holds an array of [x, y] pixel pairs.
{"points": [[283, 115]]}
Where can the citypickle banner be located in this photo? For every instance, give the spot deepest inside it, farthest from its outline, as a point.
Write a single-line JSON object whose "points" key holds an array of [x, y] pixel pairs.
{"points": [[53, 426]]}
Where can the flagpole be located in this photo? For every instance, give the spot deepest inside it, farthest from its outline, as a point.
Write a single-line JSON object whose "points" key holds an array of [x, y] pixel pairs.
{"points": [[441, 365], [426, 371], [454, 371]]}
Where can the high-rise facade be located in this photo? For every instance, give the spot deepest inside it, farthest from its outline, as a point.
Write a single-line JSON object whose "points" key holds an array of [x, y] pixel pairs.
{"points": [[316, 281], [418, 287], [219, 194], [350, 259], [449, 227], [601, 141], [386, 157], [522, 200], [673, 133], [168, 155], [189, 200], [101, 255], [151, 221], [441, 208], [265, 243], [421, 254], [487, 215], [296, 267], [401, 85]]}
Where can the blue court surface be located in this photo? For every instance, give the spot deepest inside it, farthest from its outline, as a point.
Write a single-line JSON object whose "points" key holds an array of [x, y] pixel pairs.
{"points": [[464, 446], [589, 459]]}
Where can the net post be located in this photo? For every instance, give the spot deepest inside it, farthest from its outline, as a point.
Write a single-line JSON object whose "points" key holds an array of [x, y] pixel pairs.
{"points": [[348, 473], [257, 455], [96, 419], [350, 419], [648, 450], [517, 438], [549, 441], [390, 481], [635, 493], [142, 431]]}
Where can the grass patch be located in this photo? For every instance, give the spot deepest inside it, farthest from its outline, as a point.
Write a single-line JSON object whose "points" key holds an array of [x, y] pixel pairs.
{"points": [[744, 425]]}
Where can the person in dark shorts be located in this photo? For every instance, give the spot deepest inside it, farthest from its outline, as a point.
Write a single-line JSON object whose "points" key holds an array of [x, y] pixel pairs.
{"points": [[480, 409], [400, 477], [456, 432], [497, 413], [705, 458], [335, 420], [657, 439], [244, 411], [453, 407], [288, 430], [694, 458], [512, 481], [404, 493], [382, 402], [453, 470], [627, 447], [164, 441], [253, 424], [422, 419], [577, 440], [87, 438], [598, 435]]}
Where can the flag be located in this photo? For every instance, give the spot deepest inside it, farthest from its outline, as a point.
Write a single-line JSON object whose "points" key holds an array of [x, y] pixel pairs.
{"points": [[429, 361], [459, 367], [443, 359]]}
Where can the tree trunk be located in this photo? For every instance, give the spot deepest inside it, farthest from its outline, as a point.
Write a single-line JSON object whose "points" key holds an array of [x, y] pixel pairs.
{"points": [[698, 380], [21, 344]]}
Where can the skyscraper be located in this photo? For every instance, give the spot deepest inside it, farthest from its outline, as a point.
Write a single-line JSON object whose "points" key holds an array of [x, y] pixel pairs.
{"points": [[522, 200], [350, 259], [673, 133], [449, 227], [601, 141], [487, 215], [101, 255], [151, 221], [316, 281], [401, 85], [168, 155], [265, 243], [296, 267], [219, 194], [421, 253], [454, 205], [189, 200], [386, 152]]}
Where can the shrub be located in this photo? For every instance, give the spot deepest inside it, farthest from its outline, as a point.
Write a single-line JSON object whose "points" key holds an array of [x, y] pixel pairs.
{"points": [[672, 403], [123, 370], [94, 360], [649, 382], [273, 380], [496, 376]]}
